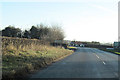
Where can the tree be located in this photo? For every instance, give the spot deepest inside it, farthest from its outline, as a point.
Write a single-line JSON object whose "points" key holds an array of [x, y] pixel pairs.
{"points": [[42, 32], [11, 31], [39, 32], [55, 33], [26, 34], [34, 32]]}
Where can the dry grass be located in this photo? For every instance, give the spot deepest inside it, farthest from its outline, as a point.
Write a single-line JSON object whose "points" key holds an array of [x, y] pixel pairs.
{"points": [[19, 60]]}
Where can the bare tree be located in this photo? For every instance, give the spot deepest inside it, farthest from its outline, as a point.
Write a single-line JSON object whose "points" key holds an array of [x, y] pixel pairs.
{"points": [[55, 33]]}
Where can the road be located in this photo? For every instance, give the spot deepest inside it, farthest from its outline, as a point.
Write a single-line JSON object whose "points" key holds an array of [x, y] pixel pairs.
{"points": [[84, 63]]}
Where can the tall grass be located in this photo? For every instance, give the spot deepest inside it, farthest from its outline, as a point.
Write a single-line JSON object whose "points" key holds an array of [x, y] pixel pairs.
{"points": [[23, 56]]}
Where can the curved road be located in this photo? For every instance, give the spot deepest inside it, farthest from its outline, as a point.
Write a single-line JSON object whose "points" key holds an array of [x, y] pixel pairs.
{"points": [[84, 63]]}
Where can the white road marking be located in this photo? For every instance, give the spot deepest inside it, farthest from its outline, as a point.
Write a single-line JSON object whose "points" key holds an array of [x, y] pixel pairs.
{"points": [[97, 56], [104, 62], [116, 74], [100, 59]]}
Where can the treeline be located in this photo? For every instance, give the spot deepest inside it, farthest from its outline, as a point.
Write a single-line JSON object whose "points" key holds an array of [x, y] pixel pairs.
{"points": [[41, 32]]}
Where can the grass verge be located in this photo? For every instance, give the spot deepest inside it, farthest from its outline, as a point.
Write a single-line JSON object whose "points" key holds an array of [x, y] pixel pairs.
{"points": [[111, 50], [17, 63]]}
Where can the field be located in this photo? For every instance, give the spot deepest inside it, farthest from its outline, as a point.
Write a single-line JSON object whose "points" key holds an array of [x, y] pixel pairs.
{"points": [[23, 56]]}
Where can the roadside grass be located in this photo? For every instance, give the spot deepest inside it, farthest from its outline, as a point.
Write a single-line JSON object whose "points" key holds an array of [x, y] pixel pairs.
{"points": [[18, 62], [111, 50]]}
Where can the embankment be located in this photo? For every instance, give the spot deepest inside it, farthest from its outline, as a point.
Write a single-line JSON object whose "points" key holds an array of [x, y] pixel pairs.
{"points": [[23, 56]]}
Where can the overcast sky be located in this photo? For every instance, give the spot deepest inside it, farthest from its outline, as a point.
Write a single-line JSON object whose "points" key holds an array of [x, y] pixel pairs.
{"points": [[82, 20]]}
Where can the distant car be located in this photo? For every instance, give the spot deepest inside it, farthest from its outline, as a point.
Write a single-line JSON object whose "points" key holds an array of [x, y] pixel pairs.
{"points": [[82, 45]]}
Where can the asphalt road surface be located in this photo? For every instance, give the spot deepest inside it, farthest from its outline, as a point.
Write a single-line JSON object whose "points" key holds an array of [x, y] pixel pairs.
{"points": [[84, 63]]}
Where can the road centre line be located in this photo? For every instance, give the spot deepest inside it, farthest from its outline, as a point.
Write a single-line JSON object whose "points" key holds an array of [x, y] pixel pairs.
{"points": [[97, 56], [100, 59], [104, 63], [116, 74]]}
